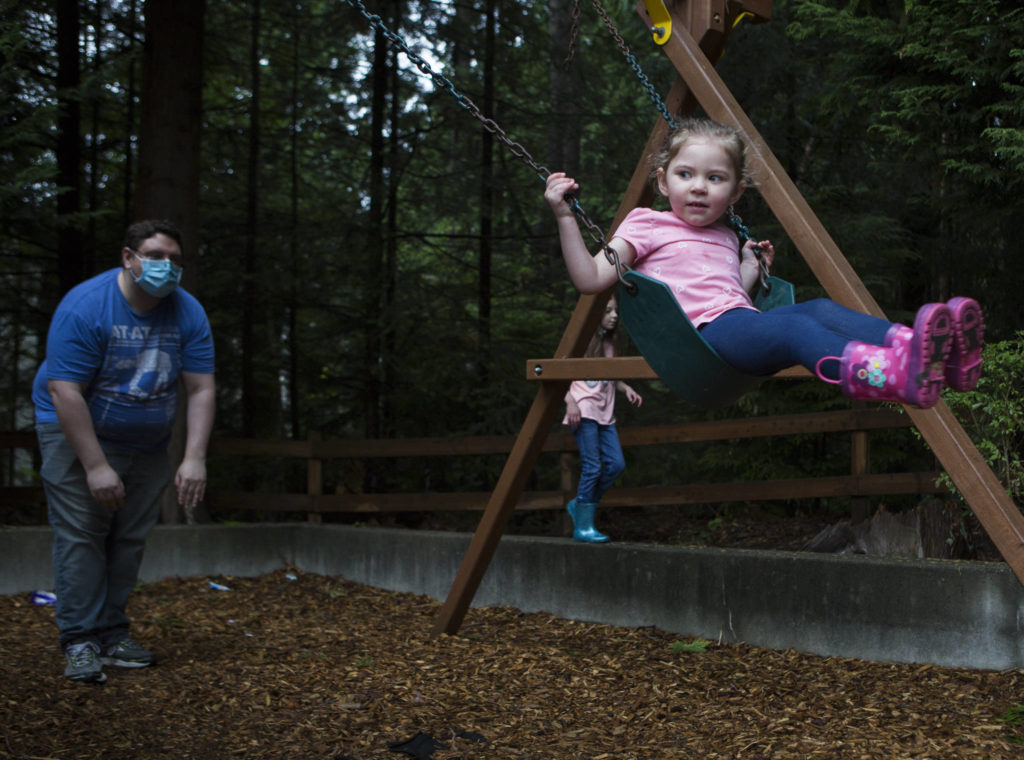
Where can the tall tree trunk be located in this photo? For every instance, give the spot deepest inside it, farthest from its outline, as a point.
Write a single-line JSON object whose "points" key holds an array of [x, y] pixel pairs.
{"points": [[294, 399], [462, 52], [486, 206], [388, 337], [99, 26], [171, 120], [169, 133], [375, 299], [70, 267], [249, 306], [129, 118], [375, 241], [564, 130]]}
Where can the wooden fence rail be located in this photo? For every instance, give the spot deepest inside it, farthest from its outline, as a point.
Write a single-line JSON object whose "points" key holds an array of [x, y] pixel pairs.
{"points": [[858, 485]]}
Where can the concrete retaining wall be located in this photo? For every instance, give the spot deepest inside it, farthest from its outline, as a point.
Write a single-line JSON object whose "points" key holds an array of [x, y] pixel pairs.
{"points": [[964, 614]]}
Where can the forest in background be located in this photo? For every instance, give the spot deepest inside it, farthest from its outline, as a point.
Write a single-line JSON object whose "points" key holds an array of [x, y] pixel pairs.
{"points": [[375, 264]]}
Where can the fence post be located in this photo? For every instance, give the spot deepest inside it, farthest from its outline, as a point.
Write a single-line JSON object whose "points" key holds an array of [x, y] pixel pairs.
{"points": [[314, 475], [860, 464]]}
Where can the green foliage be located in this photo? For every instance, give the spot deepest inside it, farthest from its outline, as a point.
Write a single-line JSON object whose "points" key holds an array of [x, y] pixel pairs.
{"points": [[169, 621], [926, 98], [1013, 717], [689, 647], [993, 413]]}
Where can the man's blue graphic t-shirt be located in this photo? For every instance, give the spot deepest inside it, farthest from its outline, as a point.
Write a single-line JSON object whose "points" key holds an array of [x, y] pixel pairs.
{"points": [[129, 363]]}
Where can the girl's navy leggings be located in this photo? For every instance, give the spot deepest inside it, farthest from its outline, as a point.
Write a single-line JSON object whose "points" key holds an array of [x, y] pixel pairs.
{"points": [[762, 343]]}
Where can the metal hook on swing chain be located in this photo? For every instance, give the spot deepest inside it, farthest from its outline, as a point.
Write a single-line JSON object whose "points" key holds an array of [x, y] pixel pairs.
{"points": [[598, 237], [613, 256]]}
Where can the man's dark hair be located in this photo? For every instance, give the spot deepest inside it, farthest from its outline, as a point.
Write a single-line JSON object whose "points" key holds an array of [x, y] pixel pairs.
{"points": [[147, 228]]}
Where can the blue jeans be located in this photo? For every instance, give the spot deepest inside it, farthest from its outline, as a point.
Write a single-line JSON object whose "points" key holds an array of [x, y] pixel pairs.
{"points": [[601, 460], [97, 552], [762, 343]]}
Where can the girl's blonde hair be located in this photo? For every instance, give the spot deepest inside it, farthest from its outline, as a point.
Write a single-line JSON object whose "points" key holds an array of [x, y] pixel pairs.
{"points": [[729, 138], [596, 345]]}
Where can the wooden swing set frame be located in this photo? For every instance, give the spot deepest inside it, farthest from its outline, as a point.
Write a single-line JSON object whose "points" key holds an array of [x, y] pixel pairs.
{"points": [[692, 33]]}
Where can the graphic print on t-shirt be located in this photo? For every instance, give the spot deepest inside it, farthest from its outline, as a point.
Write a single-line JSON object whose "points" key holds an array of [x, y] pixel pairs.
{"points": [[134, 395]]}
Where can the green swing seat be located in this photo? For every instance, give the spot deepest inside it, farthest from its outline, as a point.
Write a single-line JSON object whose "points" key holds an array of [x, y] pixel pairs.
{"points": [[676, 350]]}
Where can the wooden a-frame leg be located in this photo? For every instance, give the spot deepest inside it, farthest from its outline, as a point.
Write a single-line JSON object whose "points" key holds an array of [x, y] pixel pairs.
{"points": [[520, 463]]}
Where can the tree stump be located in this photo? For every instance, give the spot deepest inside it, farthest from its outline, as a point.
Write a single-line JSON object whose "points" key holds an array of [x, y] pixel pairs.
{"points": [[934, 528]]}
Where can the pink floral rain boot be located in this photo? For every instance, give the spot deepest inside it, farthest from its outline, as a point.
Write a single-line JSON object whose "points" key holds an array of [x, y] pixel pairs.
{"points": [[898, 334], [908, 371], [963, 368]]}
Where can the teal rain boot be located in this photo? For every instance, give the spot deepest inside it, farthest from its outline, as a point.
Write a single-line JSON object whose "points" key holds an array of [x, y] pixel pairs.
{"points": [[582, 514]]}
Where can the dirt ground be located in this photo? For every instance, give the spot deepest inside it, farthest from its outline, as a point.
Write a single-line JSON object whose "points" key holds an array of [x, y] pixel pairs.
{"points": [[296, 666]]}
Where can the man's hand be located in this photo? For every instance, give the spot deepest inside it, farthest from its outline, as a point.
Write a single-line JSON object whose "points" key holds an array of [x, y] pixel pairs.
{"points": [[105, 486], [190, 481]]}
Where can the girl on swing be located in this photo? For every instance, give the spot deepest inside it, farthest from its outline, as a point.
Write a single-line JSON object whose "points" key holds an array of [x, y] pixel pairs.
{"points": [[702, 172]]}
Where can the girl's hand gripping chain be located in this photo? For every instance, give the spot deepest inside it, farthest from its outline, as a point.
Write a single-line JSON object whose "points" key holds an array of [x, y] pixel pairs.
{"points": [[751, 264], [590, 274], [554, 193]]}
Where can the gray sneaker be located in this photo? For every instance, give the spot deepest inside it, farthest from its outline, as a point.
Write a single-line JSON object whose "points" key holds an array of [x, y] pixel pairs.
{"points": [[127, 654], [84, 663]]}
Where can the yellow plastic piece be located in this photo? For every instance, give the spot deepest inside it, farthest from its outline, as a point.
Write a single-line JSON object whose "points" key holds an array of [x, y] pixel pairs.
{"points": [[661, 21], [740, 18]]}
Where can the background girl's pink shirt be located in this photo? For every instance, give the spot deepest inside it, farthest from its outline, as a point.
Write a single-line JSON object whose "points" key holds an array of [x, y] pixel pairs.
{"points": [[595, 398], [700, 265]]}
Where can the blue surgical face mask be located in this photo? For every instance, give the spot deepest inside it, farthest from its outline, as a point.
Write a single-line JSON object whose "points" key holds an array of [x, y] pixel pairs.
{"points": [[159, 277]]}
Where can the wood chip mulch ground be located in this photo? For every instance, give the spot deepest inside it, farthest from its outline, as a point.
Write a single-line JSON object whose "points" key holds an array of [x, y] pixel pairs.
{"points": [[306, 667]]}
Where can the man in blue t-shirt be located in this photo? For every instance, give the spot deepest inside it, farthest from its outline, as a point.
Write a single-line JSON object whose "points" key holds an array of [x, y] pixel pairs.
{"points": [[105, 401]]}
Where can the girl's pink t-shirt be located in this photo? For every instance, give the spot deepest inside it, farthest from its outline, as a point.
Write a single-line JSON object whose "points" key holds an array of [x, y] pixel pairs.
{"points": [[700, 265], [595, 398]]}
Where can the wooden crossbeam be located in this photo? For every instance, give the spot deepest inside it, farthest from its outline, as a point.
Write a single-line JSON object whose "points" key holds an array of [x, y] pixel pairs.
{"points": [[614, 368]]}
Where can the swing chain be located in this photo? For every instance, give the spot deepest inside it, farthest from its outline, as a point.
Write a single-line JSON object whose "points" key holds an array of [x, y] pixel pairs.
{"points": [[635, 65], [744, 234], [517, 149], [574, 32], [620, 269], [598, 237]]}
